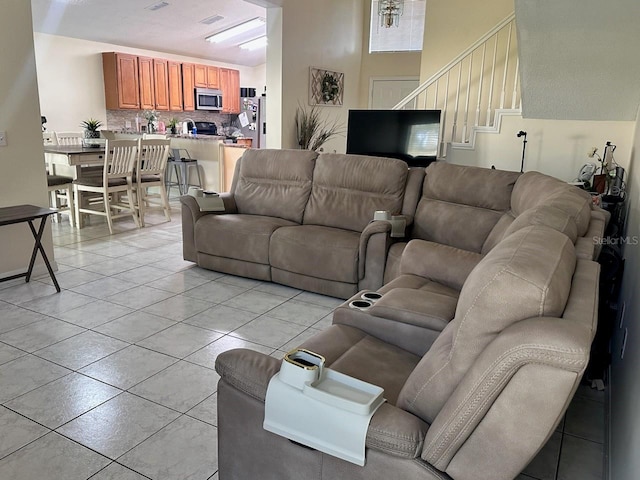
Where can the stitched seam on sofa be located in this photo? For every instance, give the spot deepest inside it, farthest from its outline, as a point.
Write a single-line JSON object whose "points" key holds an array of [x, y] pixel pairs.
{"points": [[545, 288], [275, 181], [240, 383], [455, 338], [464, 205], [393, 449], [421, 314], [354, 192], [470, 423], [407, 443], [525, 355], [326, 244], [347, 351]]}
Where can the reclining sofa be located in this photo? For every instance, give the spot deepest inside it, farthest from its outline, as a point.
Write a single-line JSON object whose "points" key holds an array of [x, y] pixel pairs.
{"points": [[480, 337], [478, 404], [301, 219]]}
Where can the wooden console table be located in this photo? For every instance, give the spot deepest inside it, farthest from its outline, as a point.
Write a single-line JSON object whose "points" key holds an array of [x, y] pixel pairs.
{"points": [[27, 214]]}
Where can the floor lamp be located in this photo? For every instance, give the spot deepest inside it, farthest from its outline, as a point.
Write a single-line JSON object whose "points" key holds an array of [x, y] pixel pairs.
{"points": [[522, 133]]}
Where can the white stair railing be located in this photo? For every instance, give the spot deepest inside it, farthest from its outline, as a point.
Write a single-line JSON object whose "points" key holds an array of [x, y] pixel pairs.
{"points": [[471, 89]]}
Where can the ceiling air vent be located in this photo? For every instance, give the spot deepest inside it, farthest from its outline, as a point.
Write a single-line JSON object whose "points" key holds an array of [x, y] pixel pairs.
{"points": [[212, 19], [157, 6]]}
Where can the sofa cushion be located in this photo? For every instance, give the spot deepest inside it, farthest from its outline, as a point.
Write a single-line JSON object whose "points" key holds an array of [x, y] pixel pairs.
{"points": [[237, 236], [316, 251], [545, 215], [348, 189], [274, 183], [422, 308], [534, 188], [526, 275], [353, 352], [461, 205]]}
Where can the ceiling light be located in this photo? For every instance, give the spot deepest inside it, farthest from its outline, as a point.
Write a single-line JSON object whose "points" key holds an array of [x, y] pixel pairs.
{"points": [[254, 44], [389, 12], [211, 19], [237, 30], [157, 6]]}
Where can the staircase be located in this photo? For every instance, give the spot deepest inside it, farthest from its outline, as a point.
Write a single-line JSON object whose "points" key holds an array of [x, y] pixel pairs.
{"points": [[475, 90]]}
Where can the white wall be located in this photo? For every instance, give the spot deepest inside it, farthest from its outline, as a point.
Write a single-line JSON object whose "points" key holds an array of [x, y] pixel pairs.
{"points": [[22, 160], [324, 34], [625, 381], [396, 64], [71, 82], [555, 147]]}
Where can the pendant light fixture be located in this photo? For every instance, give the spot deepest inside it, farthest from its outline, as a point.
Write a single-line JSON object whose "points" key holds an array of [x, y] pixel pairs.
{"points": [[389, 12]]}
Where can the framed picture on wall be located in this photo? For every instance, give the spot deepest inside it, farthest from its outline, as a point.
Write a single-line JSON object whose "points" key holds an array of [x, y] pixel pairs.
{"points": [[326, 87]]}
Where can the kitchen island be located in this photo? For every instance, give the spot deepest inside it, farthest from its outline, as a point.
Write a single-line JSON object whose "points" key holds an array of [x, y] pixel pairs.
{"points": [[204, 148]]}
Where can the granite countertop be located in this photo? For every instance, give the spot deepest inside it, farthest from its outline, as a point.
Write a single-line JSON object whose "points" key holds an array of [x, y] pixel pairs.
{"points": [[169, 135]]}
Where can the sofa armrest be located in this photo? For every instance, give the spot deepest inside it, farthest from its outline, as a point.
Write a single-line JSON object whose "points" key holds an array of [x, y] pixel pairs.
{"points": [[522, 382], [391, 430], [190, 215], [441, 263], [248, 371], [396, 432], [375, 241], [227, 198]]}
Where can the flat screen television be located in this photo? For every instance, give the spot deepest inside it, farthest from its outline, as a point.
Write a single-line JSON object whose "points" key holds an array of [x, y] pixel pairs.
{"points": [[410, 135]]}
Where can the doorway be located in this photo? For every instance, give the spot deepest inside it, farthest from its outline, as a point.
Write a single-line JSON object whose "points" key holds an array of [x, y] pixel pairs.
{"points": [[386, 92]]}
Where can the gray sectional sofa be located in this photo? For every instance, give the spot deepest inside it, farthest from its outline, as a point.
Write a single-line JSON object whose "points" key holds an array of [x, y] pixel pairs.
{"points": [[301, 219], [480, 337]]}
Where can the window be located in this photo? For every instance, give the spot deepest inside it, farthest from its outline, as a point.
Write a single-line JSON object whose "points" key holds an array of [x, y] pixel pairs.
{"points": [[407, 37]]}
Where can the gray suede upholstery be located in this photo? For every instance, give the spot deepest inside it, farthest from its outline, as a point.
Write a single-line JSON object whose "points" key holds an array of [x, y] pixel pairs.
{"points": [[304, 220], [478, 404]]}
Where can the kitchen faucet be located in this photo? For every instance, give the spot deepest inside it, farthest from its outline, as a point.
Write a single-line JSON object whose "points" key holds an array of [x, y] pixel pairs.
{"points": [[185, 125]]}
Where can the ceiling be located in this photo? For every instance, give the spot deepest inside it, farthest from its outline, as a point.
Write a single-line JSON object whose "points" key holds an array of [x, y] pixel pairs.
{"points": [[175, 28], [579, 59]]}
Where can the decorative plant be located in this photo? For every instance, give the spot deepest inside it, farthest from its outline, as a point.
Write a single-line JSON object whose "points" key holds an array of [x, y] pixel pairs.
{"points": [[91, 127], [151, 116], [330, 87], [606, 170], [173, 123], [312, 131]]}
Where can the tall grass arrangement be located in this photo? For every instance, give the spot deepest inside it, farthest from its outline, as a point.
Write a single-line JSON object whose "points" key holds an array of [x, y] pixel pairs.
{"points": [[313, 131]]}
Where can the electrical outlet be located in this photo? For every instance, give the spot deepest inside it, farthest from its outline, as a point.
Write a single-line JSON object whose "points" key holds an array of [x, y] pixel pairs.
{"points": [[624, 343], [624, 307], [3, 139]]}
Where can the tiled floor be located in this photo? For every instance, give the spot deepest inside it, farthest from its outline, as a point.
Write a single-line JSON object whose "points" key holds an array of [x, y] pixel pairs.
{"points": [[114, 377]]}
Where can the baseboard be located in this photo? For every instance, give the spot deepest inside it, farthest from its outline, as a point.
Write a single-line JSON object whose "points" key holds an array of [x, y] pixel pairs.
{"points": [[39, 269]]}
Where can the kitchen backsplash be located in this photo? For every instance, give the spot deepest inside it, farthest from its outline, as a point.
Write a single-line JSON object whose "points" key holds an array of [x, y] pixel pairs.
{"points": [[116, 119]]}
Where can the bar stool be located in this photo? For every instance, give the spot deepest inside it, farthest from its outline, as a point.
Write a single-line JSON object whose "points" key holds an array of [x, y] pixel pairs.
{"points": [[181, 166]]}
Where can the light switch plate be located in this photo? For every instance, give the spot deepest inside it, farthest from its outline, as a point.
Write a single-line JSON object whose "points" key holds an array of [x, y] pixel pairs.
{"points": [[3, 139]]}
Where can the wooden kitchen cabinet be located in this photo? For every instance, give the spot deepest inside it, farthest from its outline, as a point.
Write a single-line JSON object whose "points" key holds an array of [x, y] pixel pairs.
{"points": [[200, 76], [230, 86], [175, 86], [206, 76], [161, 83], [147, 83], [120, 73], [188, 86], [213, 77]]}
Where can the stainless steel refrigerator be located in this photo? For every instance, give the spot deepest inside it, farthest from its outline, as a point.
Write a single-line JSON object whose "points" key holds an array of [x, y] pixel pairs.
{"points": [[254, 113]]}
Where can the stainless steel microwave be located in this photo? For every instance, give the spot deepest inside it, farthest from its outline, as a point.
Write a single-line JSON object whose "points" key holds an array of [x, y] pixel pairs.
{"points": [[208, 99]]}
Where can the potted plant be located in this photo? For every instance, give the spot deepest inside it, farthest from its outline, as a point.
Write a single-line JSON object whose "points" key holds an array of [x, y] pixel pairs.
{"points": [[173, 123], [312, 131], [91, 127], [91, 131], [151, 116]]}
